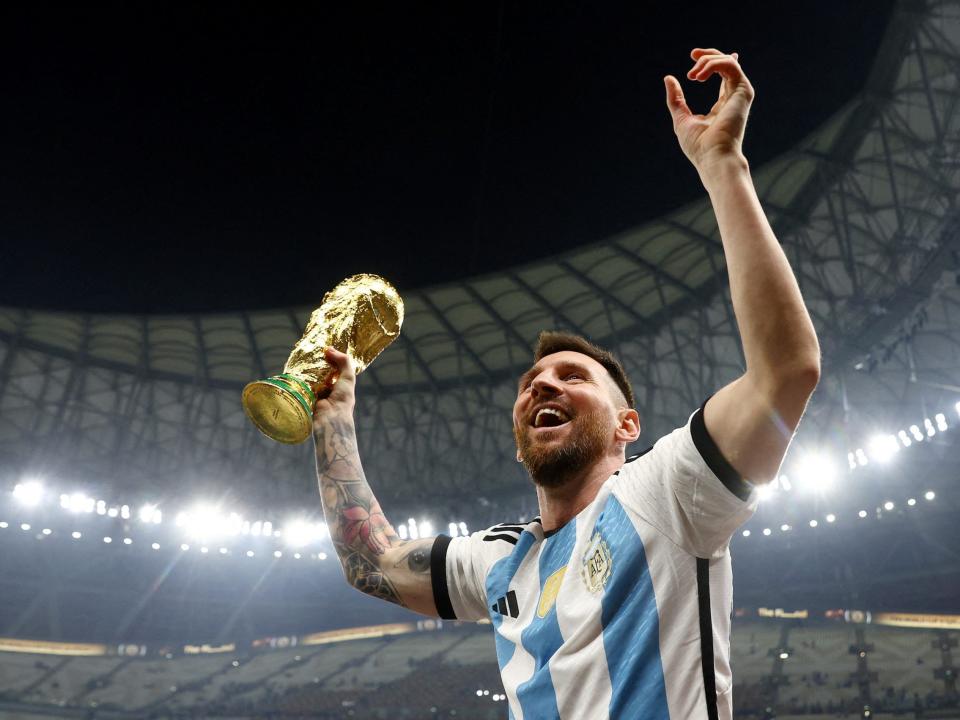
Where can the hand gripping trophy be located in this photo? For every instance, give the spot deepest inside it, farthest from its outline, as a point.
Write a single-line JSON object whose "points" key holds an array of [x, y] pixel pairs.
{"points": [[360, 317]]}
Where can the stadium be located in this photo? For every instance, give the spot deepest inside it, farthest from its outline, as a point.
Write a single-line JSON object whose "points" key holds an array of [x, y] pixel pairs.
{"points": [[161, 558]]}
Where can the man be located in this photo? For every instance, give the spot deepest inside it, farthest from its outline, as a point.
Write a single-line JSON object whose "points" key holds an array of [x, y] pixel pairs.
{"points": [[615, 602]]}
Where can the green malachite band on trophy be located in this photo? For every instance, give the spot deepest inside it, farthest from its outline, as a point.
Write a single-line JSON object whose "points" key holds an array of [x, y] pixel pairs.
{"points": [[303, 386], [293, 391]]}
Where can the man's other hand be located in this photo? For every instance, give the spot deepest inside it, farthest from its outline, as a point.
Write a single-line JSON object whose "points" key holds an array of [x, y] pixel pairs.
{"points": [[718, 135]]}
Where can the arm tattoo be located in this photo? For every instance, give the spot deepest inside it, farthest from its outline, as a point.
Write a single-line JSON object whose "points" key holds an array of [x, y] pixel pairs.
{"points": [[358, 527]]}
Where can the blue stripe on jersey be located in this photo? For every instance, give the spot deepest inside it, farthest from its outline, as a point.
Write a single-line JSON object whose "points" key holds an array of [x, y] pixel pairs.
{"points": [[631, 624], [542, 637], [497, 585]]}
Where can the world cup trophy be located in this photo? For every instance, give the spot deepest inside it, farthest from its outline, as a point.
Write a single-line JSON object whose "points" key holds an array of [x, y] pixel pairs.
{"points": [[361, 316]]}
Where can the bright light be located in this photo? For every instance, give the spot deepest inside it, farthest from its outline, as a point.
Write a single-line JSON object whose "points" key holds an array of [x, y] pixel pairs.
{"points": [[941, 421], [113, 512], [150, 514], [426, 528], [203, 522], [204, 549], [479, 693], [830, 517], [904, 438], [928, 424], [929, 495], [25, 526], [78, 502], [917, 435], [862, 513], [46, 531], [862, 457], [463, 529], [4, 525], [249, 553], [911, 502], [108, 540], [453, 529], [127, 541], [76, 535], [155, 546], [184, 547], [402, 531], [766, 531], [412, 529], [125, 512], [322, 556], [813, 523], [223, 551], [815, 473], [267, 528], [28, 493], [101, 507], [300, 533], [746, 533], [957, 408], [296, 556], [277, 553], [765, 492], [883, 447], [784, 656], [852, 460], [256, 528], [888, 506], [784, 527]]}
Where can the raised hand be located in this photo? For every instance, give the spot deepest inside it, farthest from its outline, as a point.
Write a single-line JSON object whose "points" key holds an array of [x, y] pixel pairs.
{"points": [[718, 135]]}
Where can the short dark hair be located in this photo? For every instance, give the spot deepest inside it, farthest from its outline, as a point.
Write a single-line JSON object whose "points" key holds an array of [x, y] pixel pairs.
{"points": [[550, 342]]}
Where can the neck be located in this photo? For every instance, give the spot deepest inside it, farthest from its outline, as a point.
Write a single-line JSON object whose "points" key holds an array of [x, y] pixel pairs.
{"points": [[559, 505]]}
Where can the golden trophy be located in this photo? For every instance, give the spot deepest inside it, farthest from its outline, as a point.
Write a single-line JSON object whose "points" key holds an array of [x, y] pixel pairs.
{"points": [[360, 317]]}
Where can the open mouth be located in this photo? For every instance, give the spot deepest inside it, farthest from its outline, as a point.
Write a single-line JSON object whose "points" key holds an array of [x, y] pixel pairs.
{"points": [[549, 417]]}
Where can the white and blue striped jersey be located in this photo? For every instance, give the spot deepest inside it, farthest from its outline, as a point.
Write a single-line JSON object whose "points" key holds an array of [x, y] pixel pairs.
{"points": [[624, 612]]}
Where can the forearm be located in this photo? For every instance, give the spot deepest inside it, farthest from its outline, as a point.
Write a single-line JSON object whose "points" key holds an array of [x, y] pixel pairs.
{"points": [[358, 528], [779, 340]]}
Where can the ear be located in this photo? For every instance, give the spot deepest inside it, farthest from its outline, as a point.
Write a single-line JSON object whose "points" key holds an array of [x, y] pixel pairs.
{"points": [[628, 425]]}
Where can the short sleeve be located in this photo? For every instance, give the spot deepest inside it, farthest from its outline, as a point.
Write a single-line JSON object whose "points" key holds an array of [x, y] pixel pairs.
{"points": [[458, 571], [684, 487]]}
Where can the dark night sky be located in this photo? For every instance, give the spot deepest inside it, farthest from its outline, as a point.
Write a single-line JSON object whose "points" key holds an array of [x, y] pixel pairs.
{"points": [[163, 158]]}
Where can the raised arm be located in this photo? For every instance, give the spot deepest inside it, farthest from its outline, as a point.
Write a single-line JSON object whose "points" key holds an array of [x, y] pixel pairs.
{"points": [[751, 420], [375, 560]]}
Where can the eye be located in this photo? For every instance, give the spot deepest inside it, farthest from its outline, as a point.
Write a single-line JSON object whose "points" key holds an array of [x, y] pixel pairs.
{"points": [[574, 376]]}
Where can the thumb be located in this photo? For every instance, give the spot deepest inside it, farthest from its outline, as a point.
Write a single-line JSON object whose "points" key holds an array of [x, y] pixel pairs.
{"points": [[341, 361], [676, 103]]}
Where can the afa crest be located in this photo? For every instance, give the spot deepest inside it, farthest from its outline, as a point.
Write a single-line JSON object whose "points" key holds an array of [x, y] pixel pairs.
{"points": [[597, 564]]}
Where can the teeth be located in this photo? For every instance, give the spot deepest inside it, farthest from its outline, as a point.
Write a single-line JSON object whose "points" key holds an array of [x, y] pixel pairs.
{"points": [[549, 411]]}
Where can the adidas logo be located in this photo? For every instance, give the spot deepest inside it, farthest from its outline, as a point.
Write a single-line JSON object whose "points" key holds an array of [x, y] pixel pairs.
{"points": [[507, 605]]}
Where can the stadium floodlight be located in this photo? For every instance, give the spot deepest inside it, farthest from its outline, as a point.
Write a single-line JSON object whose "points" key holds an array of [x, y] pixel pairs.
{"points": [[402, 531], [184, 547], [813, 523], [127, 541], [113, 512], [46, 531], [883, 447], [861, 457], [155, 546], [911, 502], [830, 517], [300, 533], [76, 534], [28, 493], [204, 522], [277, 554], [322, 556], [917, 435], [746, 533], [125, 512], [815, 473], [412, 529], [454, 530], [765, 492], [928, 424], [941, 421], [904, 438], [223, 551], [852, 460], [79, 503], [249, 553], [862, 514], [784, 528], [204, 549], [108, 540], [425, 528], [784, 655], [267, 528], [888, 506], [929, 495], [150, 513], [25, 526], [957, 408], [256, 528], [101, 507], [4, 525], [296, 556], [785, 483], [767, 531]]}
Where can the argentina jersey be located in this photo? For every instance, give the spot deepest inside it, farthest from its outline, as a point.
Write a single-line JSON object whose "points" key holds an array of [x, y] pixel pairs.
{"points": [[624, 611]]}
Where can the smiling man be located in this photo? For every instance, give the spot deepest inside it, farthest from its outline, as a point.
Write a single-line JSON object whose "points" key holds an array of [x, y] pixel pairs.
{"points": [[615, 601]]}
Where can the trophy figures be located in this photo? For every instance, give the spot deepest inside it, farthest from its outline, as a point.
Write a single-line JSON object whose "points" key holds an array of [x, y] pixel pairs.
{"points": [[360, 317]]}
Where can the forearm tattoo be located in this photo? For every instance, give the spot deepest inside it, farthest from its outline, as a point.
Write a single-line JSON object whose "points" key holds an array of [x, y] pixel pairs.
{"points": [[358, 527]]}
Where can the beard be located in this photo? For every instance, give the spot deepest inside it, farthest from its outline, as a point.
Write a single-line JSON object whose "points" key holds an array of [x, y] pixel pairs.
{"points": [[552, 466]]}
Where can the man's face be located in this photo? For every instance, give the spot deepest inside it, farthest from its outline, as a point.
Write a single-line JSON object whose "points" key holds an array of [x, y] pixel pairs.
{"points": [[564, 417]]}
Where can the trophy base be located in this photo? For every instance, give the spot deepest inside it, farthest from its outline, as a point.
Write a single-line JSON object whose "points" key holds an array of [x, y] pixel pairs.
{"points": [[281, 407]]}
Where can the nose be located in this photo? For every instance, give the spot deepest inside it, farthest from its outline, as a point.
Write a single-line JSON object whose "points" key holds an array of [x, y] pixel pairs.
{"points": [[543, 384]]}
